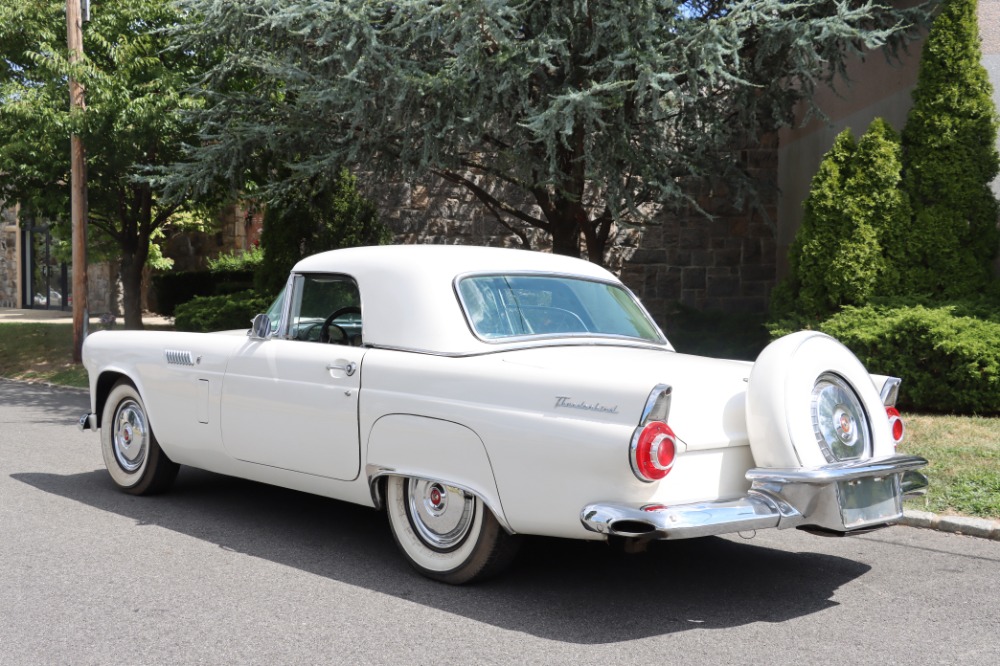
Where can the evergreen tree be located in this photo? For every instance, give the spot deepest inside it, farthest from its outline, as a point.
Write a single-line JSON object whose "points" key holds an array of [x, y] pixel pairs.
{"points": [[596, 111], [327, 216], [844, 253], [950, 158]]}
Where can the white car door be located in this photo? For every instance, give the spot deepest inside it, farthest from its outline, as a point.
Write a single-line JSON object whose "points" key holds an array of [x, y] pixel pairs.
{"points": [[291, 402]]}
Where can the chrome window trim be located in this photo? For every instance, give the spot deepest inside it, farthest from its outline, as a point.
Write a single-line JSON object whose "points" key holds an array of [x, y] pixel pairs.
{"points": [[535, 343], [293, 292]]}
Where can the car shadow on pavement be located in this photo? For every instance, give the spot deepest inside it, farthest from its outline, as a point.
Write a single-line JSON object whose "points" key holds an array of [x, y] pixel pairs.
{"points": [[564, 590], [58, 405]]}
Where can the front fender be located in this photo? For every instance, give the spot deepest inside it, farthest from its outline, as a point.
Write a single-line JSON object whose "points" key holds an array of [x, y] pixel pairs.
{"points": [[434, 449]]}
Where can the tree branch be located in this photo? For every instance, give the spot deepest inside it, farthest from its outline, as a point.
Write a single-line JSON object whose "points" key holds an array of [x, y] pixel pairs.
{"points": [[489, 199]]}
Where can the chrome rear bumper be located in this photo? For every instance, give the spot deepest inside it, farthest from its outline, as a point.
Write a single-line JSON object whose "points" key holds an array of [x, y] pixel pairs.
{"points": [[843, 497]]}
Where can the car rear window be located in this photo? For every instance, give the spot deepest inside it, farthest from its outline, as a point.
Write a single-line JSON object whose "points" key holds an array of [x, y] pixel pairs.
{"points": [[506, 306]]}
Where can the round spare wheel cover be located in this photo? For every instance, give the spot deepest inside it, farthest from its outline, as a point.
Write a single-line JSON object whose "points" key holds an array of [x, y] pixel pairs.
{"points": [[779, 396]]}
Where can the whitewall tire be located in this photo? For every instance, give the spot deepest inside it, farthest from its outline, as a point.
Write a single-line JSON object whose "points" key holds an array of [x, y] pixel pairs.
{"points": [[131, 453], [445, 532]]}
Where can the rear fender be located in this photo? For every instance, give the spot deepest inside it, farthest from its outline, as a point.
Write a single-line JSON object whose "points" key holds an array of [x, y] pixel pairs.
{"points": [[432, 449]]}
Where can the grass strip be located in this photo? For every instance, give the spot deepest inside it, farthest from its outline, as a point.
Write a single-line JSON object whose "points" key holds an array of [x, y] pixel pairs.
{"points": [[41, 353], [964, 457]]}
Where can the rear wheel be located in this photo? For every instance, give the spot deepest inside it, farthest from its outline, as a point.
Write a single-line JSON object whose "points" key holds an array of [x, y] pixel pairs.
{"points": [[132, 455], [446, 533]]}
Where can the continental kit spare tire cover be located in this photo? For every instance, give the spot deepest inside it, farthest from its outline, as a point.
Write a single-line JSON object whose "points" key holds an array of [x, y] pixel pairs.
{"points": [[781, 414]]}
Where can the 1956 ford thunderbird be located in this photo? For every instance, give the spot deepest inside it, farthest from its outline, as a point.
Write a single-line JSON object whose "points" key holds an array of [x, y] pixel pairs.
{"points": [[482, 394]]}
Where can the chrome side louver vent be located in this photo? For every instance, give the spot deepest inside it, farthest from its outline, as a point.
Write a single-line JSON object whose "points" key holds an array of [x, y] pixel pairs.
{"points": [[179, 357]]}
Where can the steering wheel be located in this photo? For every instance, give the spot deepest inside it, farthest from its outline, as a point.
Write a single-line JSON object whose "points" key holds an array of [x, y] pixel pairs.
{"points": [[324, 333]]}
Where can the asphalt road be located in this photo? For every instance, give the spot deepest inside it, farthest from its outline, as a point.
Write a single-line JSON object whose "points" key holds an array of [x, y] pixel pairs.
{"points": [[223, 571]]}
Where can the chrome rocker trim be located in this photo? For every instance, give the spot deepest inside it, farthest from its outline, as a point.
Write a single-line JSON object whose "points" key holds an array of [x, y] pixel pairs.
{"points": [[781, 498]]}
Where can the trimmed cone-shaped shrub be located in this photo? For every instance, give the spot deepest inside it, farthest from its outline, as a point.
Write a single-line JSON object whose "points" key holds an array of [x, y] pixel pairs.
{"points": [[854, 206], [950, 157]]}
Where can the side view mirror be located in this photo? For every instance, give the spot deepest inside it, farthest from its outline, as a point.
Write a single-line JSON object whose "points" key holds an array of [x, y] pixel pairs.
{"points": [[260, 328]]}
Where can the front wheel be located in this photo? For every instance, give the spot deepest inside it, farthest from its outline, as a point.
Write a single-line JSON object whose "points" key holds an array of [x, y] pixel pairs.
{"points": [[132, 455], [446, 533]]}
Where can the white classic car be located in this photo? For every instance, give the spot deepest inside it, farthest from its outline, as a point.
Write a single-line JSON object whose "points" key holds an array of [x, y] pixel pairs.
{"points": [[481, 394]]}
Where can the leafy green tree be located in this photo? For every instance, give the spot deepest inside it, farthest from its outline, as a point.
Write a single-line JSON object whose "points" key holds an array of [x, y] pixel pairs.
{"points": [[136, 93], [950, 158], [844, 252], [327, 217], [596, 112]]}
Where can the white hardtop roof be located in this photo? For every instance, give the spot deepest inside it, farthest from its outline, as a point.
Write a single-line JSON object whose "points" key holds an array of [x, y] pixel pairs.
{"points": [[447, 261], [408, 297]]}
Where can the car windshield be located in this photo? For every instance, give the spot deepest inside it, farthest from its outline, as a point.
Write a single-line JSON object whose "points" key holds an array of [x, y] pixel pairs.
{"points": [[274, 312], [505, 306]]}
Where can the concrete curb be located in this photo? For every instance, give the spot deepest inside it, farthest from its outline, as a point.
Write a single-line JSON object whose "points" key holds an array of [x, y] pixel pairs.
{"points": [[977, 527]]}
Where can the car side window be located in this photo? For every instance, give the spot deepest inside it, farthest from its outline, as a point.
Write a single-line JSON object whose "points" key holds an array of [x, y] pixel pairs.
{"points": [[326, 308]]}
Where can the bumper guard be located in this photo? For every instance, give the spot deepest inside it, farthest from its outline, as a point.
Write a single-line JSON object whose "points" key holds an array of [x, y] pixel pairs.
{"points": [[87, 422]]}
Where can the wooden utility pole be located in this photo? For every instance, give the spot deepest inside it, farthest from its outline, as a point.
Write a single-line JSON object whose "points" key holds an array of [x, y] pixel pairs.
{"points": [[78, 181]]}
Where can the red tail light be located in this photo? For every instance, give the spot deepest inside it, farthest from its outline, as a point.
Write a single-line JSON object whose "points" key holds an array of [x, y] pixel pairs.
{"points": [[652, 452], [896, 426]]}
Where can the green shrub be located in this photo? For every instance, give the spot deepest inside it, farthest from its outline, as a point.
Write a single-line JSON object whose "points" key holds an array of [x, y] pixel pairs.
{"points": [[950, 158], [220, 313], [237, 261], [333, 215], [854, 206], [172, 289], [948, 362]]}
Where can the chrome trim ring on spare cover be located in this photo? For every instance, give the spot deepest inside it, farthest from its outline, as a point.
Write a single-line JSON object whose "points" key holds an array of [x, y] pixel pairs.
{"points": [[839, 420]]}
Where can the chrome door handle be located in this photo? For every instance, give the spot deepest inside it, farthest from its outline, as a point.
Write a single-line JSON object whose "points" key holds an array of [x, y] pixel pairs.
{"points": [[349, 368]]}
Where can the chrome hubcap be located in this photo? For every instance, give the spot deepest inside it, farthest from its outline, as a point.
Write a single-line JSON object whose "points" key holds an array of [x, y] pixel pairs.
{"points": [[441, 515], [839, 419], [131, 436]]}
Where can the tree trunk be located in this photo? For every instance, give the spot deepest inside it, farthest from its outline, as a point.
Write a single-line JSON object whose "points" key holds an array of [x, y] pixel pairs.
{"points": [[566, 240], [569, 220], [132, 264], [132, 292]]}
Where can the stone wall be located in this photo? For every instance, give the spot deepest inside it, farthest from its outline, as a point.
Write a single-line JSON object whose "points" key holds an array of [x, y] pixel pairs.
{"points": [[238, 229], [725, 263], [8, 260]]}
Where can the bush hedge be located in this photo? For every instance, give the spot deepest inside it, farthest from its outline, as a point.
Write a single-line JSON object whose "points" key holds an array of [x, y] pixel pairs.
{"points": [[204, 314], [949, 361], [172, 289]]}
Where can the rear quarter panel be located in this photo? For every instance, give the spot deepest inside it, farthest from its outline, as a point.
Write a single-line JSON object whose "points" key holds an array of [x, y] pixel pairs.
{"points": [[547, 463]]}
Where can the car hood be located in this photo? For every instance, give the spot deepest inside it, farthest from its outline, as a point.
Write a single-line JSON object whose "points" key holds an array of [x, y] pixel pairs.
{"points": [[612, 384]]}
